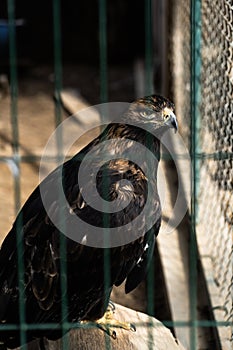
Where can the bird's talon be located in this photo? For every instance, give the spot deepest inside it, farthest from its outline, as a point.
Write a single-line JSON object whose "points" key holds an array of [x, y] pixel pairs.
{"points": [[107, 322], [111, 306], [114, 335], [106, 328], [132, 327]]}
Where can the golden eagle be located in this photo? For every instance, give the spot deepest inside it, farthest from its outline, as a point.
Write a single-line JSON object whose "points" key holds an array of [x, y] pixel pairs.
{"points": [[87, 289]]}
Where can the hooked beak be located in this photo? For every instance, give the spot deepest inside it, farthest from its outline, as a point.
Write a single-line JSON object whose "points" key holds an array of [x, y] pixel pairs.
{"points": [[171, 120]]}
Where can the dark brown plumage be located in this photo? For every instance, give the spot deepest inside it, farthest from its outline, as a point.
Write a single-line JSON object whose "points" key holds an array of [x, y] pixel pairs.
{"points": [[87, 292]]}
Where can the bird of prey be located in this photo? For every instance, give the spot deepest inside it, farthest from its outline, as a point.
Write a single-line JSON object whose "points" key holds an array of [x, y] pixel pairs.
{"points": [[87, 291]]}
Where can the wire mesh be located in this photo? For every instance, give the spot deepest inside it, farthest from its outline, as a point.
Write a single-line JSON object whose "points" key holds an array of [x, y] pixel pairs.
{"points": [[214, 143], [215, 220]]}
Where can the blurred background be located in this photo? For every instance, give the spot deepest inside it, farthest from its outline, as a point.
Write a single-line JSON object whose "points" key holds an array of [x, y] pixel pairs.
{"points": [[57, 57]]}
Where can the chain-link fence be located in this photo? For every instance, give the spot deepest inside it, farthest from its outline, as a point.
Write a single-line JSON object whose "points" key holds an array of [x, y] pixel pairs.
{"points": [[214, 158]]}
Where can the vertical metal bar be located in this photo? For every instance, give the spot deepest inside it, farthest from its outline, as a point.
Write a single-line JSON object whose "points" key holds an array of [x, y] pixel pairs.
{"points": [[15, 143], [148, 91], [148, 48], [160, 40], [58, 120], [103, 51], [57, 60], [103, 99], [14, 98], [13, 76], [195, 121]]}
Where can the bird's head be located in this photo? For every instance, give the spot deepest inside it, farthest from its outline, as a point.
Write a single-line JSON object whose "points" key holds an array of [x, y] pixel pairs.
{"points": [[153, 112]]}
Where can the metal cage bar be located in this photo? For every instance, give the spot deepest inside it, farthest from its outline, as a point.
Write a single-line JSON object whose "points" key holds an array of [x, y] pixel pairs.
{"points": [[16, 160], [195, 117], [59, 145]]}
